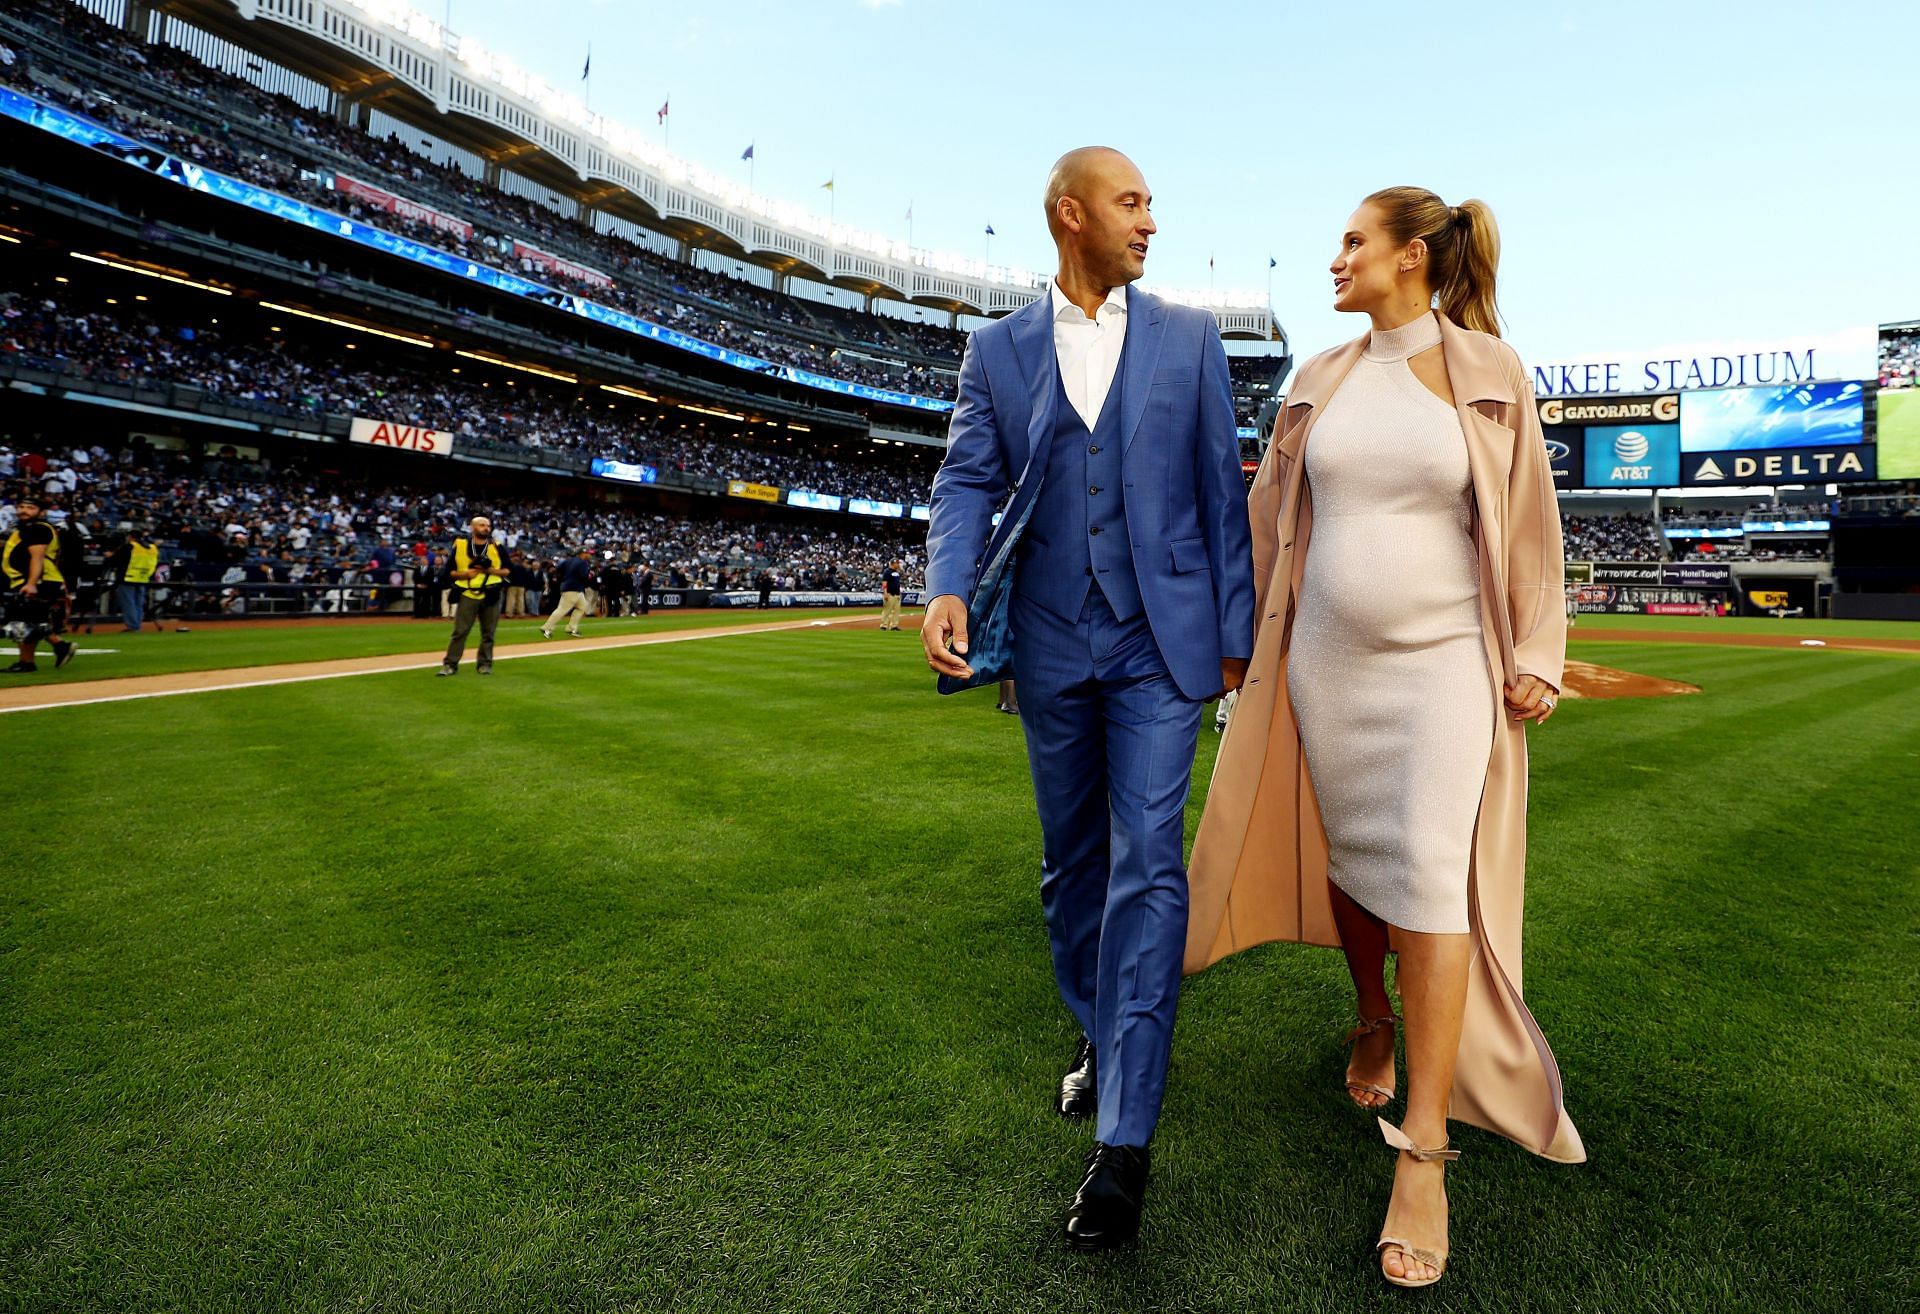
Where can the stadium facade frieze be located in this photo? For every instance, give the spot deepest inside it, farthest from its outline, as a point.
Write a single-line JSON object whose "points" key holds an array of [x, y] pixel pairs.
{"points": [[424, 67], [1677, 373]]}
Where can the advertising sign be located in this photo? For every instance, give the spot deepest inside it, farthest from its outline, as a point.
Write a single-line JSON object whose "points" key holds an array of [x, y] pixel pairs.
{"points": [[1626, 572], [1696, 574], [1610, 410], [866, 506], [1664, 574], [751, 598], [1605, 599], [401, 437], [1742, 419], [1797, 465], [812, 501], [626, 471], [920, 512], [532, 258], [753, 492], [1899, 435], [381, 199], [1633, 456], [1566, 447]]}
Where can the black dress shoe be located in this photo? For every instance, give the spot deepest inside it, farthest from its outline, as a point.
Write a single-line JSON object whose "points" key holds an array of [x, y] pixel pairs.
{"points": [[1077, 1087], [1106, 1209]]}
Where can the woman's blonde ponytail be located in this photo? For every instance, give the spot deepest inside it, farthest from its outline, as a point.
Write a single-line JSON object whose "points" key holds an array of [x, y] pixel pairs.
{"points": [[1463, 250]]}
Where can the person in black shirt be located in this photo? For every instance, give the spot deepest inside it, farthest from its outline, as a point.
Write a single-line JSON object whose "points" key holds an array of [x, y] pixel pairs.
{"points": [[36, 597], [643, 587], [576, 573], [890, 596]]}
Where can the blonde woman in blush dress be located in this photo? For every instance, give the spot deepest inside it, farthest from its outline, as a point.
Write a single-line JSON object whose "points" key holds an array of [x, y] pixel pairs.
{"points": [[1371, 788]]}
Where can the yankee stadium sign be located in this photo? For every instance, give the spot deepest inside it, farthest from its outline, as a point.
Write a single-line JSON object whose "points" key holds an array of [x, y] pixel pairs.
{"points": [[1674, 373]]}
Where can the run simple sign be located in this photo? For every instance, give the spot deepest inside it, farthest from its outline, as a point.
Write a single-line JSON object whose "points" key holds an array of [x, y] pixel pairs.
{"points": [[404, 437]]}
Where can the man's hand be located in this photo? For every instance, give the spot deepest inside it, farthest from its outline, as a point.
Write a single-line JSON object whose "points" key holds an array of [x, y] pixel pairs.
{"points": [[1233, 674], [31, 590], [946, 624]]}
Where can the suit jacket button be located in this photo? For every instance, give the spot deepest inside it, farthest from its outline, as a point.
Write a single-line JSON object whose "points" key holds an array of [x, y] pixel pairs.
{"points": [[1093, 490], [1094, 450], [1089, 570], [1094, 530]]}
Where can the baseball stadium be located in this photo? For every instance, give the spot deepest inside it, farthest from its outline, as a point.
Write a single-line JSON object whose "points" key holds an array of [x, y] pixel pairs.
{"points": [[673, 945]]}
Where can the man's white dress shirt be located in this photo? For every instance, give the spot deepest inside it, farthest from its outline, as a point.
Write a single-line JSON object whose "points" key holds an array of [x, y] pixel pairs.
{"points": [[1089, 349]]}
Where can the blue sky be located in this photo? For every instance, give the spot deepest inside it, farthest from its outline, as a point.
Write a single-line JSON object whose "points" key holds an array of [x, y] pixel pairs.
{"points": [[1663, 174]]}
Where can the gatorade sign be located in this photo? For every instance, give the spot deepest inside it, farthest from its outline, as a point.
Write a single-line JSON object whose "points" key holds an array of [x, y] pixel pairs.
{"points": [[403, 437]]}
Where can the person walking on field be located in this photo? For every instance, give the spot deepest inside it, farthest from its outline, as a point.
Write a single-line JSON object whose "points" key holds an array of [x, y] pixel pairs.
{"points": [[479, 574], [36, 596], [132, 566], [1107, 413], [576, 572], [890, 596]]}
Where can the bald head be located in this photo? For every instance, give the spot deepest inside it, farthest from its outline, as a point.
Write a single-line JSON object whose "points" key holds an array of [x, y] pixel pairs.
{"points": [[1076, 174], [1097, 212]]}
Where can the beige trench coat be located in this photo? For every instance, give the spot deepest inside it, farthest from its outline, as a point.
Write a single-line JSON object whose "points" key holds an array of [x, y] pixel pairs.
{"points": [[1259, 866]]}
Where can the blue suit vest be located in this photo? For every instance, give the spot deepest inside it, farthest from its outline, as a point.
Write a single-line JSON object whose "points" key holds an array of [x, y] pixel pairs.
{"points": [[1078, 537]]}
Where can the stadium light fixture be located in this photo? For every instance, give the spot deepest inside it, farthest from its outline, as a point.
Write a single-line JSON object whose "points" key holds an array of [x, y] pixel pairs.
{"points": [[9, 237], [516, 365], [803, 428], [708, 410], [625, 391], [348, 324], [163, 275]]}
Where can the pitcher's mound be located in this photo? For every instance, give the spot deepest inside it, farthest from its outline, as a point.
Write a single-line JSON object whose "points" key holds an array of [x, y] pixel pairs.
{"points": [[1584, 680]]}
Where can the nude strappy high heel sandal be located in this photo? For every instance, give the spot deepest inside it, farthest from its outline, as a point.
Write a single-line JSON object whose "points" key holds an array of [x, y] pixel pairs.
{"points": [[1355, 1089], [1437, 1261]]}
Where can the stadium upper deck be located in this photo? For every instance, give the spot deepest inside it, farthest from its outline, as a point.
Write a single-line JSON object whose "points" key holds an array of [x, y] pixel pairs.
{"points": [[381, 54]]}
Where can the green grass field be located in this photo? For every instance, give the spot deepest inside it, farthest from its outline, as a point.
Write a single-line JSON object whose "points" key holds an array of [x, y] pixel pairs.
{"points": [[711, 976], [110, 651]]}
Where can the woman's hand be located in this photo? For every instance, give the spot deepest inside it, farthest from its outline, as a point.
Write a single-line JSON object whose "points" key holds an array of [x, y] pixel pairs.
{"points": [[1531, 698]]}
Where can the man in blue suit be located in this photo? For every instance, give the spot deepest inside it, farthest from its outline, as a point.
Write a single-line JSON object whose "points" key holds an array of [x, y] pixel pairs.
{"points": [[1118, 585]]}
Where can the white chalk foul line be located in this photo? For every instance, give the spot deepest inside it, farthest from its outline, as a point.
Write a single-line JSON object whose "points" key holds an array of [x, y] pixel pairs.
{"points": [[611, 645]]}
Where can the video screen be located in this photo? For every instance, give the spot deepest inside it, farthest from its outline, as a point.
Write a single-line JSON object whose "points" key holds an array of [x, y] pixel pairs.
{"points": [[1900, 355], [1899, 435], [1749, 419]]}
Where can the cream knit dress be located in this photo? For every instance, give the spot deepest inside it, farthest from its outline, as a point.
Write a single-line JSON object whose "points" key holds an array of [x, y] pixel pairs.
{"points": [[1387, 670]]}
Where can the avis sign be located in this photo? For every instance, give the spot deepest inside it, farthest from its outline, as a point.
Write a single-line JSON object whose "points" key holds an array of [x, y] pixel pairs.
{"points": [[403, 437]]}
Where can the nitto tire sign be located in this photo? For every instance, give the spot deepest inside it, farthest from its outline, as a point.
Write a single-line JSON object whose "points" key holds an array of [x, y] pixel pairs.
{"points": [[1626, 572]]}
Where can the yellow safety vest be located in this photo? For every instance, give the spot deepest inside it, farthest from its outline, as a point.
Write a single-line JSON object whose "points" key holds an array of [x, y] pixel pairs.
{"points": [[492, 563], [142, 560], [49, 565]]}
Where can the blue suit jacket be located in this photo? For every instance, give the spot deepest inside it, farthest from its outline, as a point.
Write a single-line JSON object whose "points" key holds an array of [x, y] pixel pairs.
{"points": [[1186, 499]]}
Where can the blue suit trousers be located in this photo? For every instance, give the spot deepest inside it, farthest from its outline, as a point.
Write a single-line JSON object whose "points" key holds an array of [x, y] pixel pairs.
{"points": [[1110, 740]]}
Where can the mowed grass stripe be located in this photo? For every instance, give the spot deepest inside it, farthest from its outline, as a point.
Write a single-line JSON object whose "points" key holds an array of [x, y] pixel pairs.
{"points": [[712, 977], [220, 646]]}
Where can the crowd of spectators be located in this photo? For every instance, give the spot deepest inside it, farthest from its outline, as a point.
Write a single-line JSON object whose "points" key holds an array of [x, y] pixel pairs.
{"points": [[47, 326], [225, 523], [170, 110], [1626, 536]]}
